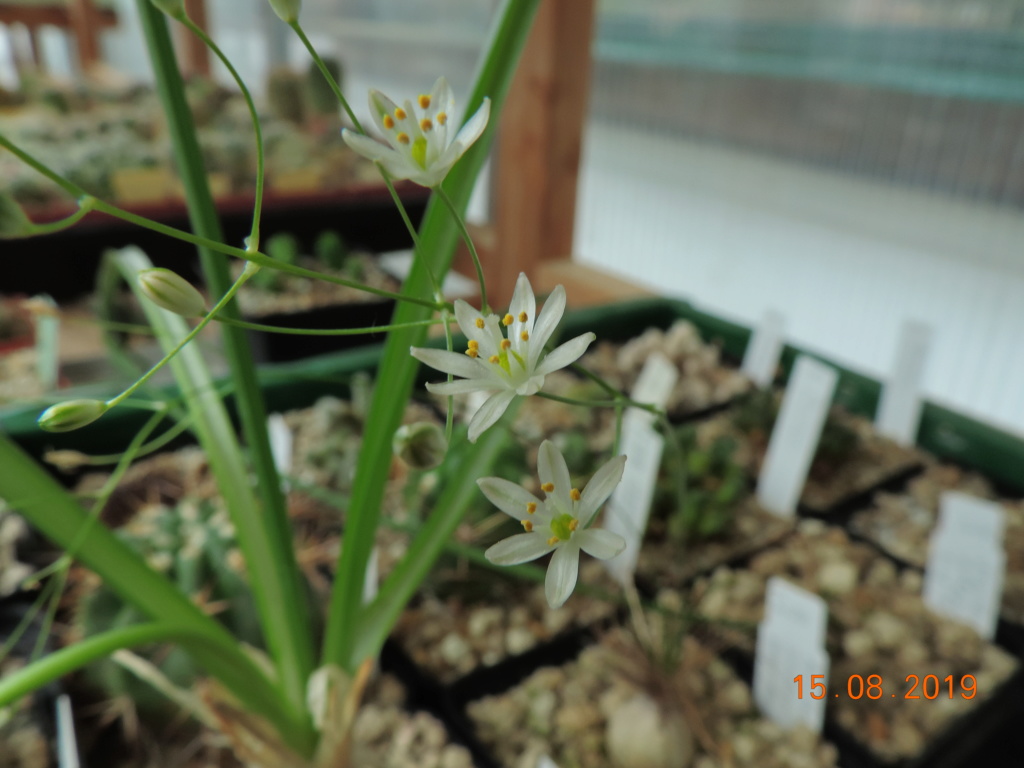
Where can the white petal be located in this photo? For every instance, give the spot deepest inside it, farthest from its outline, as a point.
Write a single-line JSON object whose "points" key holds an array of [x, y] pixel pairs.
{"points": [[523, 300], [380, 105], [466, 316], [471, 131], [599, 543], [552, 469], [600, 488], [562, 572], [460, 386], [521, 548], [489, 412], [549, 318], [510, 498], [455, 363], [365, 146], [567, 353]]}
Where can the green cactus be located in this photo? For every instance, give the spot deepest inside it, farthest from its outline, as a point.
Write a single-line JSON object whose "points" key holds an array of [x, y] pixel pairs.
{"points": [[330, 249], [319, 95], [285, 248], [715, 484], [194, 545], [285, 95]]}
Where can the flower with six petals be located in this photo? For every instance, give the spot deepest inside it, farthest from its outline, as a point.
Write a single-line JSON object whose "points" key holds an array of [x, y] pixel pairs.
{"points": [[504, 365], [418, 148], [557, 524]]}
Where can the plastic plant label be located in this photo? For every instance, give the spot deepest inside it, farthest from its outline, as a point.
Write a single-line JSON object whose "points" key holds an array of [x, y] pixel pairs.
{"points": [[761, 358], [966, 562], [790, 644], [795, 436], [899, 411], [546, 762], [962, 515], [281, 440], [630, 505], [47, 344]]}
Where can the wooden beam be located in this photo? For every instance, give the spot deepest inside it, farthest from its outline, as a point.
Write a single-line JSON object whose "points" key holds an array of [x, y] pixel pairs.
{"points": [[538, 152], [86, 22], [196, 58]]}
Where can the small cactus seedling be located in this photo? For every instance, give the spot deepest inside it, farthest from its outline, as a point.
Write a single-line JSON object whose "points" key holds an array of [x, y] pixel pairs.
{"points": [[283, 247], [715, 483], [194, 545]]}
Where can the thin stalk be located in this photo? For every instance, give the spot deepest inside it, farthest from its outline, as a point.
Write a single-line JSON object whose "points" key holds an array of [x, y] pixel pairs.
{"points": [[618, 402], [484, 307], [85, 205], [254, 234], [327, 74], [218, 307], [264, 531], [325, 331], [210, 244]]}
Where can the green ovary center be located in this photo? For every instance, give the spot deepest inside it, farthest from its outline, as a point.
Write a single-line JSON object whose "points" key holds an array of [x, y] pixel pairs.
{"points": [[419, 151], [563, 526]]}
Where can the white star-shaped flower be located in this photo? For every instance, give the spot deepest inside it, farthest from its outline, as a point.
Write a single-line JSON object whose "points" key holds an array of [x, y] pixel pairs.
{"points": [[559, 523], [507, 366], [419, 149]]}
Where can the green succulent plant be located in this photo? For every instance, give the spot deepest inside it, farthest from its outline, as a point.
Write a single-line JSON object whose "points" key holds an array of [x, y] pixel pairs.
{"points": [[194, 544]]}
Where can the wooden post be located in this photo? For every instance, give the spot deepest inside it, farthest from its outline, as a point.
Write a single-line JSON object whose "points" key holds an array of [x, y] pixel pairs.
{"points": [[538, 148], [196, 58], [85, 21]]}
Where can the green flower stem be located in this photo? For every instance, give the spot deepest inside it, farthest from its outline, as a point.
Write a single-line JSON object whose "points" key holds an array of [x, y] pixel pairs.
{"points": [[263, 526], [211, 244], [376, 621], [397, 371], [617, 403], [57, 515], [359, 127], [327, 74], [584, 371], [218, 307], [324, 331], [257, 209], [85, 204], [84, 652], [460, 222]]}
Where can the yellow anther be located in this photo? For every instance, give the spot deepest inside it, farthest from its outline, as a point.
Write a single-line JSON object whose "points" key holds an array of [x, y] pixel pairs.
{"points": [[524, 336], [528, 525], [424, 101], [389, 122], [552, 541], [472, 352], [505, 344], [494, 359], [531, 507], [403, 138], [479, 322], [473, 344], [523, 317], [507, 320], [400, 113], [442, 118], [548, 487], [574, 524], [425, 125], [574, 494]]}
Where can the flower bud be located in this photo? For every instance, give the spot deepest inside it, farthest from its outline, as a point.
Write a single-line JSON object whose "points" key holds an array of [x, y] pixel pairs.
{"points": [[421, 445], [13, 221], [66, 460], [173, 8], [64, 417], [288, 10], [171, 291]]}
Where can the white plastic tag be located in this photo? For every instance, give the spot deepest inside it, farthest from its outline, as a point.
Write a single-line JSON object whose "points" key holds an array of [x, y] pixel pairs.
{"points": [[761, 358], [281, 440], [966, 562], [899, 410], [629, 507], [546, 762], [795, 436], [790, 644]]}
